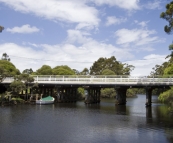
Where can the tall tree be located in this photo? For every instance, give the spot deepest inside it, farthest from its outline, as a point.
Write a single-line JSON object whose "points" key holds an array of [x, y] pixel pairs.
{"points": [[5, 57], [112, 64], [168, 16], [7, 69], [63, 70], [27, 71], [85, 71], [44, 70], [1, 28]]}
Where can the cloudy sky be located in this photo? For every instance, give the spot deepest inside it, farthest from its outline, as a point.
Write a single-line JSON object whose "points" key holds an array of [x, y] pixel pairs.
{"points": [[78, 32]]}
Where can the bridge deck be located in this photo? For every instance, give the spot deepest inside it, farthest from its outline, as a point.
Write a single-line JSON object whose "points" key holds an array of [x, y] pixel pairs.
{"points": [[101, 81]]}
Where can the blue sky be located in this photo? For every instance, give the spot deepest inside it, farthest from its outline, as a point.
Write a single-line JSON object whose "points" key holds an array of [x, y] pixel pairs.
{"points": [[78, 32]]}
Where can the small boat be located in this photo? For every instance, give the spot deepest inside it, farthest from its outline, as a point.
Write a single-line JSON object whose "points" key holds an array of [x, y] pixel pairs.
{"points": [[46, 100]]}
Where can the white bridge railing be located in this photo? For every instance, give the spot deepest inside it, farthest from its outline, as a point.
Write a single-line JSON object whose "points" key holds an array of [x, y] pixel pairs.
{"points": [[83, 79]]}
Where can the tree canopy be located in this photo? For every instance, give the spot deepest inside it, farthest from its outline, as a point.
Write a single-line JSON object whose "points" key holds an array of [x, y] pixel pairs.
{"points": [[44, 70], [5, 57], [168, 16], [63, 70], [111, 64], [1, 28], [9, 67]]}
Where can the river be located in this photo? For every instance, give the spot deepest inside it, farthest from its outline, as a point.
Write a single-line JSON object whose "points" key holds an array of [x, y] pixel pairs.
{"points": [[80, 123]]}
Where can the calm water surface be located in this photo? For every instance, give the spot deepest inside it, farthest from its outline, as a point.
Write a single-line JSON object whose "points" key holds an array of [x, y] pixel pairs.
{"points": [[80, 123]]}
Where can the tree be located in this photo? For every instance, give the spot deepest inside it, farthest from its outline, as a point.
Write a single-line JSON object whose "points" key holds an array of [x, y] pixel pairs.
{"points": [[168, 16], [3, 74], [27, 71], [7, 69], [169, 70], [107, 72], [44, 70], [1, 28], [84, 72], [112, 64], [63, 70], [5, 57], [17, 86]]}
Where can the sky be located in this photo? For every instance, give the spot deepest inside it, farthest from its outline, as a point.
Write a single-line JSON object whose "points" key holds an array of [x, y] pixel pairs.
{"points": [[77, 33]]}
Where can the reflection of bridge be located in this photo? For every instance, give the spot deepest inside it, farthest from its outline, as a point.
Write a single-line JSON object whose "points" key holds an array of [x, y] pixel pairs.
{"points": [[67, 86]]}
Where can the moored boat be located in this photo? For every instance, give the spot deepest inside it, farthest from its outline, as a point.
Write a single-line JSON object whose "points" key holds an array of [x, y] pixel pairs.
{"points": [[46, 100]]}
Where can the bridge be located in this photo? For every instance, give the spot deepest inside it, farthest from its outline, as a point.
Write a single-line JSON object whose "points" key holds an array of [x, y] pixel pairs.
{"points": [[66, 86]]}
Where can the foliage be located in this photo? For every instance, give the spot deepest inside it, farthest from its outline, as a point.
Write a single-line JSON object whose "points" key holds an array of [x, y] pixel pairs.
{"points": [[3, 74], [107, 72], [27, 71], [112, 64], [108, 93], [85, 71], [132, 92], [18, 100], [26, 78], [63, 70], [35, 88], [44, 70], [17, 86], [5, 57], [169, 70], [167, 96], [167, 15], [7, 69], [1, 28], [164, 69]]}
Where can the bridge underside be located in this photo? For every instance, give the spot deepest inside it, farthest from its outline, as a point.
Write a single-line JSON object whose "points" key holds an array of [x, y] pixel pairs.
{"points": [[68, 92]]}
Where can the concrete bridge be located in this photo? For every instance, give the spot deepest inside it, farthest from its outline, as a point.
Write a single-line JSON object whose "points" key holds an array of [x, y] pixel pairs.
{"points": [[66, 86]]}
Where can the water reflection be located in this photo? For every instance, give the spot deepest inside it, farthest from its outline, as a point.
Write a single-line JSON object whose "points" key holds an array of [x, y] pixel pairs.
{"points": [[95, 123]]}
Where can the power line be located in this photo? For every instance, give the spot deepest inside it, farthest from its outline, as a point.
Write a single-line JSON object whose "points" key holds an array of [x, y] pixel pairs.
{"points": [[76, 61]]}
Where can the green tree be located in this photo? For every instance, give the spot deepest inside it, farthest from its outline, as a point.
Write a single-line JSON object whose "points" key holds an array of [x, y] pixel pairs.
{"points": [[17, 86], [107, 72], [169, 70], [27, 71], [1, 28], [63, 70], [3, 74], [85, 71], [44, 70], [112, 64], [7, 69], [5, 57], [167, 15]]}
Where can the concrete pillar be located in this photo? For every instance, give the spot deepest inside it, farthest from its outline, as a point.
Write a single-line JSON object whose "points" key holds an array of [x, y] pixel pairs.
{"points": [[121, 95], [148, 96]]}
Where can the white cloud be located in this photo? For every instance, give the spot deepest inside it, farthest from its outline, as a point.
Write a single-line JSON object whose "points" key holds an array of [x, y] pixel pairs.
{"points": [[136, 36], [156, 4], [25, 29], [144, 67], [77, 57], [125, 4], [112, 20], [75, 11], [142, 23]]}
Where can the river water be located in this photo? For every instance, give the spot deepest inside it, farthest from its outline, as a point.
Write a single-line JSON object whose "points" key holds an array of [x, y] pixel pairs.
{"points": [[80, 123]]}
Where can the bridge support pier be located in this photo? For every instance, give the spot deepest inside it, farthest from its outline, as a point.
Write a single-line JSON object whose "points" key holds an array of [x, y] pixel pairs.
{"points": [[67, 94], [148, 96], [92, 95], [121, 95]]}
